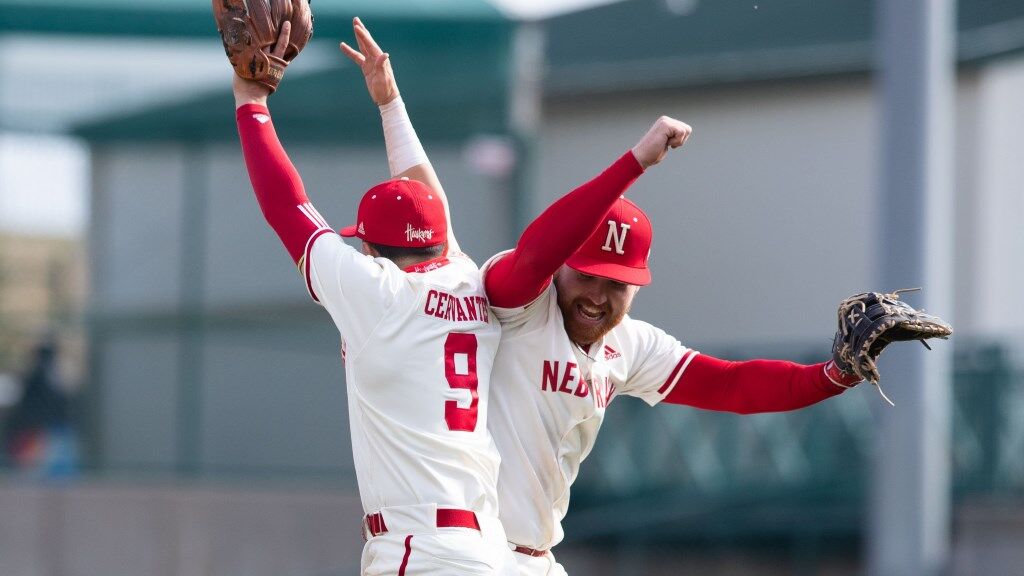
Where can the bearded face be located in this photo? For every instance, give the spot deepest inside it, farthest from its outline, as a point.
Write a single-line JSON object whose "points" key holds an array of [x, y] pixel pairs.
{"points": [[591, 305]]}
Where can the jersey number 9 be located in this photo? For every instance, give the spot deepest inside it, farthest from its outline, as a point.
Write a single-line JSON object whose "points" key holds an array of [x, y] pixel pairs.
{"points": [[460, 371]]}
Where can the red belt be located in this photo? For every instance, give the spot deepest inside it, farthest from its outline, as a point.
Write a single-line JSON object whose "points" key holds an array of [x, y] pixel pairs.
{"points": [[446, 518], [529, 551]]}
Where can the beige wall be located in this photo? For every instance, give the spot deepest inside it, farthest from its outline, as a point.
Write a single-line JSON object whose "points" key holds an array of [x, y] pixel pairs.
{"points": [[166, 530], [998, 153]]}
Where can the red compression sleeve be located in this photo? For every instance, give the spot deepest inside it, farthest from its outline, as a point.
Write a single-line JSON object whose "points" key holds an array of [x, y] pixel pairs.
{"points": [[752, 386], [275, 181], [520, 276]]}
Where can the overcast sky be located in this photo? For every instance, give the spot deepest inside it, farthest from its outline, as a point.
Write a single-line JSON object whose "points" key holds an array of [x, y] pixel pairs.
{"points": [[43, 185]]}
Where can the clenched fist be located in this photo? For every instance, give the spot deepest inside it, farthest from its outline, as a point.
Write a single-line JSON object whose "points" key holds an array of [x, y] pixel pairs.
{"points": [[664, 134]]}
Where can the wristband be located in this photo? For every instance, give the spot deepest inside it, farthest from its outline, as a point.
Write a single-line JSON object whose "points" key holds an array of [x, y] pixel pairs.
{"points": [[403, 146], [840, 378]]}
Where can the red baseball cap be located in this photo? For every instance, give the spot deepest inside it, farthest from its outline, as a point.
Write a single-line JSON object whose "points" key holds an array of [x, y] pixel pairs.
{"points": [[400, 212], [619, 248]]}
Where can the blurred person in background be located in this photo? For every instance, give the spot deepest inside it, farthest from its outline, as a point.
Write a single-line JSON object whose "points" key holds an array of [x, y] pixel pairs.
{"points": [[39, 436]]}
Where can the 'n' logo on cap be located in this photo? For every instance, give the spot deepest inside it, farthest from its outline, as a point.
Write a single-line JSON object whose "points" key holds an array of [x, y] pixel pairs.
{"points": [[616, 234]]}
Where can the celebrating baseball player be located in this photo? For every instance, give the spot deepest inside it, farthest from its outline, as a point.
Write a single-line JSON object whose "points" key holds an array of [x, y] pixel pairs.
{"points": [[568, 348], [418, 339]]}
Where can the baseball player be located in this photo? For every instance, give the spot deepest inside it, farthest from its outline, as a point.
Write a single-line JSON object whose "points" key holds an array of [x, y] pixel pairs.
{"points": [[418, 340], [569, 348]]}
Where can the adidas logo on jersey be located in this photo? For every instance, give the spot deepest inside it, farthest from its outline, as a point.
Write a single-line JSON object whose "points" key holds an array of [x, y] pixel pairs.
{"points": [[417, 234], [610, 353], [261, 118]]}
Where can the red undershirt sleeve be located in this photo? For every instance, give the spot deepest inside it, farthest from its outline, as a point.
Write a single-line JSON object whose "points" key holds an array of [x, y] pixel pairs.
{"points": [[521, 275], [752, 386], [276, 182]]}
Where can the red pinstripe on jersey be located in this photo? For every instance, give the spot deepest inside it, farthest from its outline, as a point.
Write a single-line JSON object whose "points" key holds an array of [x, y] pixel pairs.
{"points": [[405, 559]]}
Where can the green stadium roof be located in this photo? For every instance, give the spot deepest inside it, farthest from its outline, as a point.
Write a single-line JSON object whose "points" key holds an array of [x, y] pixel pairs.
{"points": [[454, 71], [451, 54], [645, 44], [183, 18]]}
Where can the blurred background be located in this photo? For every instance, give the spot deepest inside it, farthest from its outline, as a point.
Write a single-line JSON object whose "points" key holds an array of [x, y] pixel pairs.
{"points": [[172, 404]]}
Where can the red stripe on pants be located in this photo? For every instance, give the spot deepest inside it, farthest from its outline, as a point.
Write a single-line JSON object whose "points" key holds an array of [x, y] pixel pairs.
{"points": [[405, 559]]}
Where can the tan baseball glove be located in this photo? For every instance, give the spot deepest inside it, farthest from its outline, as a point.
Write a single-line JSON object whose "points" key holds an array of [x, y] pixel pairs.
{"points": [[250, 28]]}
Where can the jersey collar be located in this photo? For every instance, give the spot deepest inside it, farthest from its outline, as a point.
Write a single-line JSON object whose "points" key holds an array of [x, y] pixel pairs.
{"points": [[428, 265]]}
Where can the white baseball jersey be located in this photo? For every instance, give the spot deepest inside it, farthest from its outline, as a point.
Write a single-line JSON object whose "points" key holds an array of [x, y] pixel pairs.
{"points": [[418, 346], [548, 402]]}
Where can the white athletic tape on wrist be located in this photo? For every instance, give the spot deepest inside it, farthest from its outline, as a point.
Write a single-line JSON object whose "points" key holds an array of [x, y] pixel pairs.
{"points": [[403, 146]]}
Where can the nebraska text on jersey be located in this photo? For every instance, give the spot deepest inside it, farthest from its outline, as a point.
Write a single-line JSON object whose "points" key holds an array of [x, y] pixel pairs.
{"points": [[454, 308], [565, 377]]}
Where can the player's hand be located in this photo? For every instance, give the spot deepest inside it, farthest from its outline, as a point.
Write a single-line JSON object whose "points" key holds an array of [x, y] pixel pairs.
{"points": [[380, 79], [252, 92], [666, 133]]}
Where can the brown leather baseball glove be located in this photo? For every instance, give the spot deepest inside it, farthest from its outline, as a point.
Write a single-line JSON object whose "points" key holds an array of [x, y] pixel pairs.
{"points": [[249, 29]]}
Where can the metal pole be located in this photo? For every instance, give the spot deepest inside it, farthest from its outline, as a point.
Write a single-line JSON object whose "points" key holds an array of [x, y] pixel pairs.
{"points": [[909, 516], [525, 104], [97, 323]]}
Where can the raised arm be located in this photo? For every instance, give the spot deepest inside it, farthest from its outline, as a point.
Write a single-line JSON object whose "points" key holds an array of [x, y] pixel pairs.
{"points": [[518, 277], [406, 156], [274, 178]]}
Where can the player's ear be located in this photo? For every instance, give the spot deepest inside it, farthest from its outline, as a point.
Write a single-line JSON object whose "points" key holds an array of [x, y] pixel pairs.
{"points": [[369, 250]]}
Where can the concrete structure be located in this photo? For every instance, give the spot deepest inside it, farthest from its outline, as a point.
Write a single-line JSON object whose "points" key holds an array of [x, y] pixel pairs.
{"points": [[263, 529]]}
